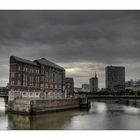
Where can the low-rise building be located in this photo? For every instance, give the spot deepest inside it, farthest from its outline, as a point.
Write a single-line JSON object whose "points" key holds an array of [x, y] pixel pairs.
{"points": [[77, 89], [4, 91], [85, 88], [69, 87], [132, 85], [129, 85]]}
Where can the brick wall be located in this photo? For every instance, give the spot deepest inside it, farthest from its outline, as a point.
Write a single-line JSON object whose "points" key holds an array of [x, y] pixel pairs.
{"points": [[26, 106]]}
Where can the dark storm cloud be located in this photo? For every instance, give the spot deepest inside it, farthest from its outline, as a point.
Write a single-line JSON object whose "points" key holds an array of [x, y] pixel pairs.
{"points": [[73, 35], [106, 37]]}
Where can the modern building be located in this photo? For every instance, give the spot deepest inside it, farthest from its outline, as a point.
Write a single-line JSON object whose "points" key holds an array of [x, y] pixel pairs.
{"points": [[115, 78], [93, 84], [69, 86], [85, 88], [35, 79]]}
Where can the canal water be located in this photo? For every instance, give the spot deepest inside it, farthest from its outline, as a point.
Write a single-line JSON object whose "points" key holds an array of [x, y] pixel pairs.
{"points": [[101, 116]]}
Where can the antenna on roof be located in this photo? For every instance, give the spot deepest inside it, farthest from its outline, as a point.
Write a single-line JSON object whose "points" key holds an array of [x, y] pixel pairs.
{"points": [[95, 75]]}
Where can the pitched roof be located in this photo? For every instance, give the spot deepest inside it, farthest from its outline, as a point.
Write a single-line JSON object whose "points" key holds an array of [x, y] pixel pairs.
{"points": [[23, 60], [48, 63]]}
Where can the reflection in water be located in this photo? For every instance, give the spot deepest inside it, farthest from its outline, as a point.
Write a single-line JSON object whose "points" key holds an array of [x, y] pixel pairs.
{"points": [[44, 121], [98, 107], [3, 119], [100, 116], [2, 104]]}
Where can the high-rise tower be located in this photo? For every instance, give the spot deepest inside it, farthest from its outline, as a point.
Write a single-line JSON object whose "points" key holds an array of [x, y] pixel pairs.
{"points": [[115, 78]]}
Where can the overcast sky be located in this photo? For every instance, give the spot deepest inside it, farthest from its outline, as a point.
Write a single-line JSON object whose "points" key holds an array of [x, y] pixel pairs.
{"points": [[81, 41]]}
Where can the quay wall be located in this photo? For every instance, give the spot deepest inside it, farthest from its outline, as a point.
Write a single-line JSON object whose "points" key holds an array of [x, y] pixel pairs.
{"points": [[26, 106], [130, 102]]}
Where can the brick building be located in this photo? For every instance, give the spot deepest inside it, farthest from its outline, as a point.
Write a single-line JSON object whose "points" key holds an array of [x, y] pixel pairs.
{"points": [[35, 79], [69, 86]]}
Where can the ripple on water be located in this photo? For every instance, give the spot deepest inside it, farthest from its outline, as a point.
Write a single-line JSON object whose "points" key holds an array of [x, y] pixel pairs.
{"points": [[131, 110]]}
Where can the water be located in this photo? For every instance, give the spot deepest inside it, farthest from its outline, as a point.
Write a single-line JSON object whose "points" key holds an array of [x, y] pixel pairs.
{"points": [[101, 116]]}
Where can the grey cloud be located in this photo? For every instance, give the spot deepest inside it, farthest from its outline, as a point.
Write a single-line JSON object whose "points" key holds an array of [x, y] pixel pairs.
{"points": [[70, 37]]}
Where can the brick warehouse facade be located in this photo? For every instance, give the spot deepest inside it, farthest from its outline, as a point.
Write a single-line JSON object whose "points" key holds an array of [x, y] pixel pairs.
{"points": [[69, 86], [35, 79]]}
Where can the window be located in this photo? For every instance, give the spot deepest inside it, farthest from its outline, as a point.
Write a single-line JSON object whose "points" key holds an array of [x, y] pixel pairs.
{"points": [[46, 85], [59, 86], [12, 83], [55, 86], [42, 85], [18, 83], [36, 71], [19, 75], [24, 78], [24, 83], [32, 71], [12, 75], [51, 85], [19, 68]]}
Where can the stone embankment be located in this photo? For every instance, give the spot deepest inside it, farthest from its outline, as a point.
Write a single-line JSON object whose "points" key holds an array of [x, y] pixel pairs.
{"points": [[32, 106]]}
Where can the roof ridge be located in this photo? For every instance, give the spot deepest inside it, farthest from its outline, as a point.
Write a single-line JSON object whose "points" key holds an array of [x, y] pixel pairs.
{"points": [[50, 63], [23, 60]]}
